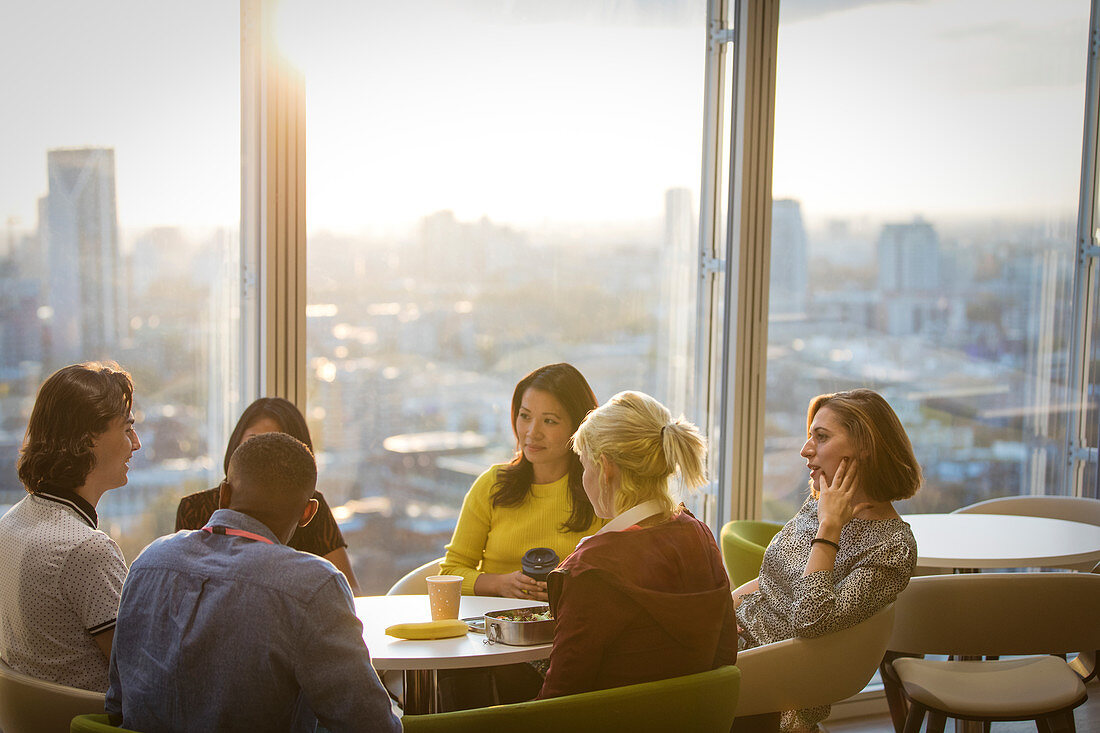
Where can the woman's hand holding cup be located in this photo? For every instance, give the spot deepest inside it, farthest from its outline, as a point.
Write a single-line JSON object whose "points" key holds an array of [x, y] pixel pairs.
{"points": [[518, 585]]}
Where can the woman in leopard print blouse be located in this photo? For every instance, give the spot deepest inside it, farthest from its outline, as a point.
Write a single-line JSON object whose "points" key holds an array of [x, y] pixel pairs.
{"points": [[846, 554]]}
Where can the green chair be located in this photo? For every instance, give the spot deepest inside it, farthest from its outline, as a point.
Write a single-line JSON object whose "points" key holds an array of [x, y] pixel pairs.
{"points": [[697, 702], [94, 724], [743, 545]]}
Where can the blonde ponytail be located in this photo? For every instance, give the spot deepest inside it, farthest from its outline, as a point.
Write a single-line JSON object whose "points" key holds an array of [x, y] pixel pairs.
{"points": [[637, 433], [686, 450]]}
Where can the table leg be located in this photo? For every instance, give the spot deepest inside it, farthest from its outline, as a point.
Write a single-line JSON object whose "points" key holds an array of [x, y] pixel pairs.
{"points": [[969, 726], [420, 691]]}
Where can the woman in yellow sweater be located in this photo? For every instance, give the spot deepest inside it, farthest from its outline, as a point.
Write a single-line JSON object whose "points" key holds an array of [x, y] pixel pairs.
{"points": [[537, 500]]}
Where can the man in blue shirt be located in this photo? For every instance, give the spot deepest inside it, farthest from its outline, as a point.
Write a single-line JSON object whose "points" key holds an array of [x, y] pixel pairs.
{"points": [[228, 629]]}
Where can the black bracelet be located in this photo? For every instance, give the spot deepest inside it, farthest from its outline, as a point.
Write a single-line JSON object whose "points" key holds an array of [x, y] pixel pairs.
{"points": [[832, 544]]}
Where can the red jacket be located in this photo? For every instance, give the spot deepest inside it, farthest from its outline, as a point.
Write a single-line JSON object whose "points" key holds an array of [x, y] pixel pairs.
{"points": [[644, 604]]}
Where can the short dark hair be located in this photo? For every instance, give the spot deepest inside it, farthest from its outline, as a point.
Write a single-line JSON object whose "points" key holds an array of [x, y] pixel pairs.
{"points": [[279, 463], [290, 420], [76, 404], [886, 455]]}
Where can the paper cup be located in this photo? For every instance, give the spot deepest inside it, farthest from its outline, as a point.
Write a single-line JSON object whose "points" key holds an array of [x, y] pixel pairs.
{"points": [[444, 592]]}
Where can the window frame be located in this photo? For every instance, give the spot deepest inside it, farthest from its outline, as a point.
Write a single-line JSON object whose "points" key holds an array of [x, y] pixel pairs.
{"points": [[273, 213], [735, 259], [1080, 456]]}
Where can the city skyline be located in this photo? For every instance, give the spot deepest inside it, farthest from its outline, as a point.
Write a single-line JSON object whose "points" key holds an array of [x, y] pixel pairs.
{"points": [[408, 348]]}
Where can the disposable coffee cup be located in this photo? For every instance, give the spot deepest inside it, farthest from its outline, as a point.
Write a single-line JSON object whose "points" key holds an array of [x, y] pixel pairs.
{"points": [[444, 592], [538, 562]]}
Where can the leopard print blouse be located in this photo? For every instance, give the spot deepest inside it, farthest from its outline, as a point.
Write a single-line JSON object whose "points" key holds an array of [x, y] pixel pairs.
{"points": [[876, 559]]}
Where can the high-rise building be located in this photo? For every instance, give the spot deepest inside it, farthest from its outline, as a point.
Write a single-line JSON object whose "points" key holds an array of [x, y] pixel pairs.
{"points": [[909, 258], [81, 236], [789, 280], [676, 337], [20, 336], [909, 278]]}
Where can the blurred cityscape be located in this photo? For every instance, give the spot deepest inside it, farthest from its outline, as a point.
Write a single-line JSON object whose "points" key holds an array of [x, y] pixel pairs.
{"points": [[415, 343]]}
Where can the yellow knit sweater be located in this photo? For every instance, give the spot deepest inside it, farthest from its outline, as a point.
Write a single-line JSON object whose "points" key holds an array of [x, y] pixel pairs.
{"points": [[491, 539]]}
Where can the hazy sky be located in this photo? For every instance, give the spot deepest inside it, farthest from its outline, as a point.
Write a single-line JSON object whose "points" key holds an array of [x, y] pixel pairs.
{"points": [[158, 81], [547, 113], [964, 107]]}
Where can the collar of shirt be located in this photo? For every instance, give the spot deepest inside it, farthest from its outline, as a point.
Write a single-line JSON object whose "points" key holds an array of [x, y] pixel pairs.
{"points": [[74, 501], [238, 520]]}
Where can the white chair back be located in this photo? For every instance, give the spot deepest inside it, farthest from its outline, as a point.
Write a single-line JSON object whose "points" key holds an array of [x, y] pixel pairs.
{"points": [[803, 673], [413, 583], [998, 614], [30, 705], [1069, 508]]}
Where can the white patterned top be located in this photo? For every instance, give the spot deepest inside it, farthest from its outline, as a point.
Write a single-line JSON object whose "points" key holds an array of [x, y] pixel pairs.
{"points": [[60, 583], [876, 559]]}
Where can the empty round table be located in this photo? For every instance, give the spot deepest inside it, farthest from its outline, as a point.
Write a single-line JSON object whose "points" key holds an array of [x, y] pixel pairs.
{"points": [[982, 541]]}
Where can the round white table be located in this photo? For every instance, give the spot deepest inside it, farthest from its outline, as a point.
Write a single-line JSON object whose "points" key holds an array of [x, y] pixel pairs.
{"points": [[419, 659], [982, 541]]}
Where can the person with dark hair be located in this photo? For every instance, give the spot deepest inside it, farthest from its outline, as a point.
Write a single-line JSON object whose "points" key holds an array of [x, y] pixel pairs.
{"points": [[847, 553], [322, 536], [228, 628], [537, 500], [60, 576]]}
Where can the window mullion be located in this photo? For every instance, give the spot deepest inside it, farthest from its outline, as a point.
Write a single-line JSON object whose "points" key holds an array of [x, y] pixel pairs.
{"points": [[1078, 454], [272, 212], [735, 322]]}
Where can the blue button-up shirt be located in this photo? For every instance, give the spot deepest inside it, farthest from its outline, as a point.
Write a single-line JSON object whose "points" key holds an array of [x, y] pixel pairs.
{"points": [[220, 632]]}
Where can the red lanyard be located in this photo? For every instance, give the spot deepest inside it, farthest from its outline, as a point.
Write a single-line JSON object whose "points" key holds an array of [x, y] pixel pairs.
{"points": [[236, 533]]}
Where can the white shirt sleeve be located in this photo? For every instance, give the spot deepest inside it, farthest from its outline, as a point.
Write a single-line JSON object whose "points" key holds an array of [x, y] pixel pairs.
{"points": [[91, 581]]}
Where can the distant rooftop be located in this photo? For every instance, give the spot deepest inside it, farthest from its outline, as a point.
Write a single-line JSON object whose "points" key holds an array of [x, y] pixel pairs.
{"points": [[435, 442]]}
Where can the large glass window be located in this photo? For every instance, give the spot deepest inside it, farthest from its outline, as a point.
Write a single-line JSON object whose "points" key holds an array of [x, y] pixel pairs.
{"points": [[926, 186], [493, 186], [120, 193]]}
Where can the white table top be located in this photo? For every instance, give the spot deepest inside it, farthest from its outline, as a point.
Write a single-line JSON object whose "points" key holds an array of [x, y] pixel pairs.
{"points": [[387, 652], [1001, 541]]}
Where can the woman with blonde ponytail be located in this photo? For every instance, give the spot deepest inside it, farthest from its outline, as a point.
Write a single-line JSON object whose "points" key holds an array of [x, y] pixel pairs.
{"points": [[646, 597]]}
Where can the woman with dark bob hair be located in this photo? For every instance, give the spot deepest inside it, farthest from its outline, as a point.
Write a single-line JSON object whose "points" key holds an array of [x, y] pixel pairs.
{"points": [[322, 535], [60, 576], [537, 500], [847, 553]]}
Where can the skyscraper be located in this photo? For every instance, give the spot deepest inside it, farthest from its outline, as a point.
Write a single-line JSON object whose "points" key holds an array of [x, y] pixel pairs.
{"points": [[909, 258], [789, 280], [81, 236], [909, 278], [676, 336]]}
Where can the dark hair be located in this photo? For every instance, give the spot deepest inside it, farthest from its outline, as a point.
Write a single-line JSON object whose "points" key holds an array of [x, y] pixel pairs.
{"points": [[568, 386], [280, 410], [885, 454], [279, 463], [75, 405]]}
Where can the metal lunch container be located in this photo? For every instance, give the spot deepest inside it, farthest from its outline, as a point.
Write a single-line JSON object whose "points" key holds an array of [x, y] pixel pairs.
{"points": [[500, 628]]}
